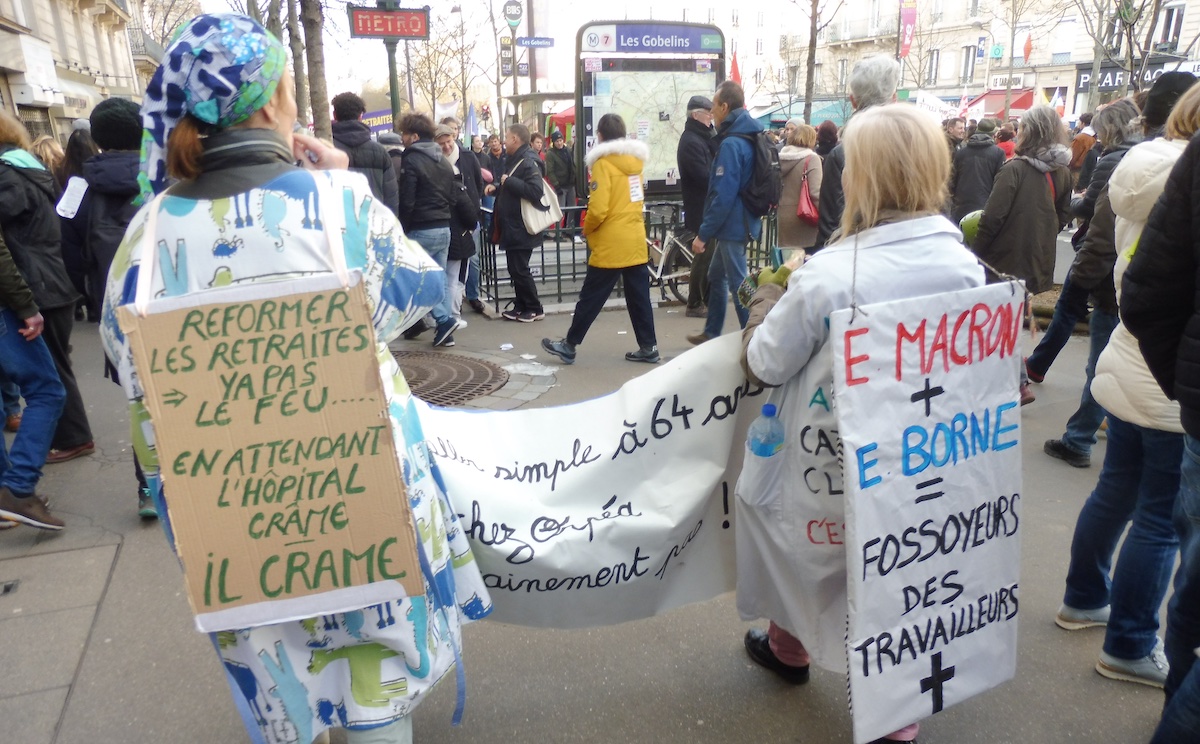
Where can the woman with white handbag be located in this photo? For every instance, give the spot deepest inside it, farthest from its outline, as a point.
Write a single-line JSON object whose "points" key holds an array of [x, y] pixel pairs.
{"points": [[522, 182]]}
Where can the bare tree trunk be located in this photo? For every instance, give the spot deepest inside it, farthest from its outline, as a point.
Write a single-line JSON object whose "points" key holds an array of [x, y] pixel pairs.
{"points": [[312, 16], [810, 86], [296, 43], [253, 10], [1098, 53], [274, 23]]}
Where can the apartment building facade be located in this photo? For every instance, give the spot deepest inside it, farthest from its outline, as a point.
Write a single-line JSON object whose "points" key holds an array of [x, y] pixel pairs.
{"points": [[59, 58]]}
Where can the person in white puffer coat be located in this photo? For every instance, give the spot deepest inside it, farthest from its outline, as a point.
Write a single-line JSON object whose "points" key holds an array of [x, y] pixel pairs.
{"points": [[1140, 477]]}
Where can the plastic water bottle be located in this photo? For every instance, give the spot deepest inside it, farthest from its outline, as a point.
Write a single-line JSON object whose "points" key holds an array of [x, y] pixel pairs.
{"points": [[765, 436]]}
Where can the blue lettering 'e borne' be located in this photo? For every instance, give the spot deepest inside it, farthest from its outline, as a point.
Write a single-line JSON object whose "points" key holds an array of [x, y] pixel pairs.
{"points": [[946, 442]]}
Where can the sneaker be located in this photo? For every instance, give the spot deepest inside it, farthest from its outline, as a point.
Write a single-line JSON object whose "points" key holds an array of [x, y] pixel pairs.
{"points": [[1149, 670], [146, 508], [461, 323], [415, 330], [700, 311], [1033, 376], [510, 315], [577, 240], [528, 316], [476, 305], [63, 455], [445, 333], [1069, 618], [1056, 449], [13, 422], [1027, 395], [648, 354], [30, 510], [562, 349], [758, 647], [698, 338]]}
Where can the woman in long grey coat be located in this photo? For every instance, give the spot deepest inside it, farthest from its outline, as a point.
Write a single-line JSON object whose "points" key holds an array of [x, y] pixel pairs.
{"points": [[1030, 203], [796, 160]]}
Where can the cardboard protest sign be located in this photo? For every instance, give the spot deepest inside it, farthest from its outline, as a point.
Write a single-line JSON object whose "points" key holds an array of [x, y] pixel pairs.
{"points": [[278, 460], [608, 510], [927, 403]]}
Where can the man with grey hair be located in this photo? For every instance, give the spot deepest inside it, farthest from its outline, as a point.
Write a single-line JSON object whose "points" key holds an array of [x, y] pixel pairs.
{"points": [[788, 128], [873, 82]]}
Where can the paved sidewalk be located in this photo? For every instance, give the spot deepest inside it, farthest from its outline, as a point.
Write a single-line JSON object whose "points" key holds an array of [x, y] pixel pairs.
{"points": [[98, 643]]}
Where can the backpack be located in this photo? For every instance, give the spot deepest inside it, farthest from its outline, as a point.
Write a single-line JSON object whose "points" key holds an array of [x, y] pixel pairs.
{"points": [[765, 186]]}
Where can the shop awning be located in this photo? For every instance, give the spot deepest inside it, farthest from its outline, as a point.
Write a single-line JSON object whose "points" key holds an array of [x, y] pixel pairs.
{"points": [[992, 104]]}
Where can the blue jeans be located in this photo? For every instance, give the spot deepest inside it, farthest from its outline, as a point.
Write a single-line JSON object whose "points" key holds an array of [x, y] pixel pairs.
{"points": [[472, 291], [1069, 310], [725, 274], [436, 243], [1080, 435], [10, 396], [1139, 482], [29, 365]]}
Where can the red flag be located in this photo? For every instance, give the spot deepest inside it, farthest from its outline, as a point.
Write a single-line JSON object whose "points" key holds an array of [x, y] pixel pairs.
{"points": [[734, 74], [1028, 47]]}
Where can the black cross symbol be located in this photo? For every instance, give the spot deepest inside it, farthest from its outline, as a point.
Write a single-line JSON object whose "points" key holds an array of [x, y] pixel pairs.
{"points": [[927, 395], [936, 679]]}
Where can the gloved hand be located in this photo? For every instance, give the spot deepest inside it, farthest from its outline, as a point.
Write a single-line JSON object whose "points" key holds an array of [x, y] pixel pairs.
{"points": [[774, 276]]}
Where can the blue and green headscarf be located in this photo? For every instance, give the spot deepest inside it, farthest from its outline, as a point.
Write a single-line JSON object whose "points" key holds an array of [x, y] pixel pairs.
{"points": [[219, 68]]}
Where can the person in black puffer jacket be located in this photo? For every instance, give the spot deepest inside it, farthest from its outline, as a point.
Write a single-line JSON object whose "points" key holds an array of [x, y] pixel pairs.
{"points": [[1159, 307], [974, 170], [95, 230], [100, 218], [367, 157], [30, 227]]}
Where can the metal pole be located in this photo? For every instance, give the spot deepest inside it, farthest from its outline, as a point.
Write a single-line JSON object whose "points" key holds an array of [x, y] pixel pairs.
{"points": [[412, 105], [393, 81], [532, 50]]}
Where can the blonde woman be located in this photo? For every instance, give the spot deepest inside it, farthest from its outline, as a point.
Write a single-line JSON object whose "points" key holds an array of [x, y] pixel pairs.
{"points": [[47, 150], [893, 244], [798, 161]]}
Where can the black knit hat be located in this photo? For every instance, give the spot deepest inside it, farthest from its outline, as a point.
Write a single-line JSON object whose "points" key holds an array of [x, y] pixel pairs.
{"points": [[117, 124], [1163, 95]]}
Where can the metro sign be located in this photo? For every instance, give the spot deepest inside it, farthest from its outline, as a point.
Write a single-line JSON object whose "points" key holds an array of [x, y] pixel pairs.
{"points": [[377, 23]]}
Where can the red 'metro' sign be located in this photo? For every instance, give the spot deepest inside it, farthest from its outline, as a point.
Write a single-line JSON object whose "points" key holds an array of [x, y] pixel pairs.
{"points": [[377, 23]]}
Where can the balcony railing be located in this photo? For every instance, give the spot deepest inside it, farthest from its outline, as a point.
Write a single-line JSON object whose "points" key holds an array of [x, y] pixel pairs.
{"points": [[141, 44], [862, 29]]}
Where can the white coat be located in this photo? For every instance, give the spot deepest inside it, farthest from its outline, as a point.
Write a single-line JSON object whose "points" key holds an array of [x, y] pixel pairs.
{"points": [[791, 565], [1123, 384]]}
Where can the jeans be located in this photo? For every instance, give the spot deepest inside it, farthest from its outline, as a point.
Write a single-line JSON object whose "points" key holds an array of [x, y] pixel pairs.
{"points": [[436, 243], [29, 365], [472, 290], [10, 396], [524, 286], [1069, 310], [1183, 612], [725, 274], [456, 270], [1080, 435], [1139, 482], [598, 285]]}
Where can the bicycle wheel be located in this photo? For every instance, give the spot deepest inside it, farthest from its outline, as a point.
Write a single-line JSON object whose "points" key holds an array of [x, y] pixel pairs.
{"points": [[677, 273]]}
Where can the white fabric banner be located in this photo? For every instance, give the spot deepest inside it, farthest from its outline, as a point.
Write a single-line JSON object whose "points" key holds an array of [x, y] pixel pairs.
{"points": [[926, 397], [608, 510]]}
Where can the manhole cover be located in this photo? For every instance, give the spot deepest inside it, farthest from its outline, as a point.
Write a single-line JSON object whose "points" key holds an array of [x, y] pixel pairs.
{"points": [[448, 379]]}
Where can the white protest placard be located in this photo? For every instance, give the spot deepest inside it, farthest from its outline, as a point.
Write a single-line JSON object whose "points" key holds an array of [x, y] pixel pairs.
{"points": [[609, 510], [927, 403]]}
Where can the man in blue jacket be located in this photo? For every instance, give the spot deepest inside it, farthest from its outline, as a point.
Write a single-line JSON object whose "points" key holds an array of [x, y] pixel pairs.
{"points": [[728, 226]]}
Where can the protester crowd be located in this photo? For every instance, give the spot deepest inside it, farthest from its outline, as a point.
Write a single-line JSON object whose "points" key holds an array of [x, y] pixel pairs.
{"points": [[943, 208]]}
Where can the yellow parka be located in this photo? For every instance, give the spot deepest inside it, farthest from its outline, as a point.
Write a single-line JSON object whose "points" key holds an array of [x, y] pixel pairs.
{"points": [[614, 227]]}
